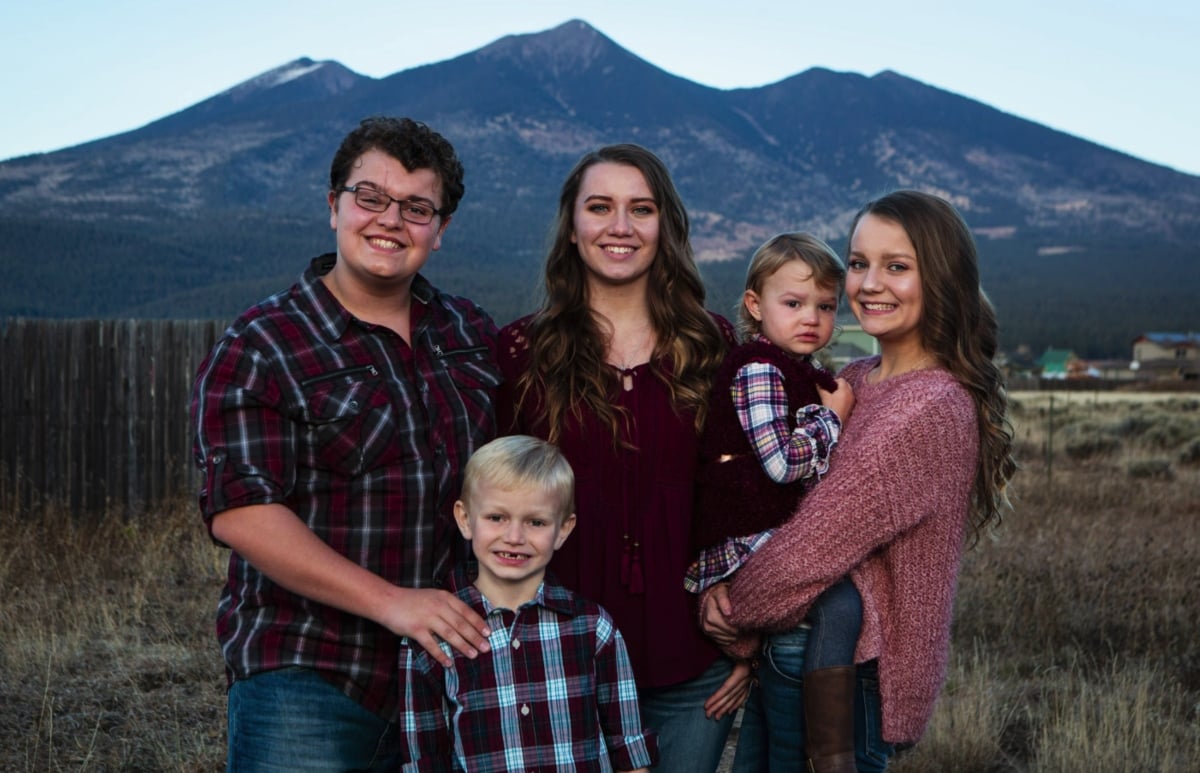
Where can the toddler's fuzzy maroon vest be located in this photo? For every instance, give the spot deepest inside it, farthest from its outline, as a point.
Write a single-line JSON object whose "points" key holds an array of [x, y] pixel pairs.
{"points": [[736, 498]]}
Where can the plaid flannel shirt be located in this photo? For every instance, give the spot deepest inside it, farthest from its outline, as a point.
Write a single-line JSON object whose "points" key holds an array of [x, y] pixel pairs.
{"points": [[359, 434], [556, 692], [786, 454]]}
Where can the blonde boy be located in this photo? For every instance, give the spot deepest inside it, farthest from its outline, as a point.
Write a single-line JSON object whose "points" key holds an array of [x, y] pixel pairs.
{"points": [[556, 691]]}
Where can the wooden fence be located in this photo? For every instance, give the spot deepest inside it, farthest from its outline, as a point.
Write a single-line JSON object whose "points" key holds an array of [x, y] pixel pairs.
{"points": [[94, 413]]}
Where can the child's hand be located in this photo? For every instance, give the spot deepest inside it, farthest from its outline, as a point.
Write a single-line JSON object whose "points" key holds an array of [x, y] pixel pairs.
{"points": [[840, 402], [715, 609], [732, 693]]}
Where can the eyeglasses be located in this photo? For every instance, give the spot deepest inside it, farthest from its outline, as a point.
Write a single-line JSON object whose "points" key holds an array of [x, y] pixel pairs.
{"points": [[414, 211]]}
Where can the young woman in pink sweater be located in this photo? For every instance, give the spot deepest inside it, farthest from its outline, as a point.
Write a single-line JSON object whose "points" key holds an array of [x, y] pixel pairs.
{"points": [[924, 462]]}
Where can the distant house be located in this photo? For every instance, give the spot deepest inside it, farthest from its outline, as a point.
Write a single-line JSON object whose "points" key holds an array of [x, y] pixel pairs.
{"points": [[1062, 363], [849, 343], [1111, 370], [1167, 355]]}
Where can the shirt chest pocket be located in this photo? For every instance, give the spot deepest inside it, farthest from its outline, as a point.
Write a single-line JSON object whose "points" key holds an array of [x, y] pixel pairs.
{"points": [[474, 377], [473, 368], [351, 421]]}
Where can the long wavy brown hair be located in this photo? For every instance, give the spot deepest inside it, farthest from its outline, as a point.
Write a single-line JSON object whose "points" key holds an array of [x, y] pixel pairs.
{"points": [[958, 326], [567, 343]]}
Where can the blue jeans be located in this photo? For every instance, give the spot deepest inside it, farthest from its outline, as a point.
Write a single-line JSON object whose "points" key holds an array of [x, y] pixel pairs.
{"points": [[294, 720], [836, 619], [688, 741], [775, 709]]}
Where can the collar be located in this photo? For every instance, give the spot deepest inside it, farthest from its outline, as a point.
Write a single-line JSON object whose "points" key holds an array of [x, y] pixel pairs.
{"points": [[331, 316], [759, 338], [550, 593]]}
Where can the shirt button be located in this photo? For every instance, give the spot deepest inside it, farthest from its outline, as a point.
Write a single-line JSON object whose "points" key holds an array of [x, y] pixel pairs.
{"points": [[525, 710], [516, 644]]}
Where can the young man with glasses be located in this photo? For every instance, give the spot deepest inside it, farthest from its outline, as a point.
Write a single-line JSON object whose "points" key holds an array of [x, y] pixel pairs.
{"points": [[332, 424]]}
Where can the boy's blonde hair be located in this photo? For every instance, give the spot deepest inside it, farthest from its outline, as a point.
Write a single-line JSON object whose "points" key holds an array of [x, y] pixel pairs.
{"points": [[827, 269], [521, 461]]}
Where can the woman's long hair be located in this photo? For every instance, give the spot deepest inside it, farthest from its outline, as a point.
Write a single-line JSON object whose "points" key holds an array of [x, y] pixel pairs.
{"points": [[958, 326], [567, 343]]}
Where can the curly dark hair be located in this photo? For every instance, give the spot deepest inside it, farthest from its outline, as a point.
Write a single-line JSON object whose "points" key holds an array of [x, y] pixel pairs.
{"points": [[410, 142]]}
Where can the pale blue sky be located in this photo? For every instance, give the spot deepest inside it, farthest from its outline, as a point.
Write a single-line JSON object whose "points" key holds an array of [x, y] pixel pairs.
{"points": [[1125, 74]]}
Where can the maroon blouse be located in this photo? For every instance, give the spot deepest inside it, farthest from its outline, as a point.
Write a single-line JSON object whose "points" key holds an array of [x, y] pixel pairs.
{"points": [[631, 544]]}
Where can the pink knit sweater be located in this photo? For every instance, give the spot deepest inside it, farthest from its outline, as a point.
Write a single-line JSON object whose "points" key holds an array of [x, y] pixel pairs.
{"points": [[891, 513]]}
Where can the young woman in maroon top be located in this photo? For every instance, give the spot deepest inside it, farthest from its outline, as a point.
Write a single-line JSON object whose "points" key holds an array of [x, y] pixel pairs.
{"points": [[615, 368]]}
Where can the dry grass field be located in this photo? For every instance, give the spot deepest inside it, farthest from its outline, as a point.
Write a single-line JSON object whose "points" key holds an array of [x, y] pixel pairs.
{"points": [[1076, 643]]}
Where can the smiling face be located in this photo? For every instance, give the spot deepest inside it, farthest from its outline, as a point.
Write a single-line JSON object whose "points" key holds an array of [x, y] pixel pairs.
{"points": [[793, 312], [380, 251], [615, 224], [883, 282], [514, 533]]}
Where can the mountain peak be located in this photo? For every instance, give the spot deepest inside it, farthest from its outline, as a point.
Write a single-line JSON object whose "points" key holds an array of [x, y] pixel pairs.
{"points": [[299, 81], [330, 77], [572, 46]]}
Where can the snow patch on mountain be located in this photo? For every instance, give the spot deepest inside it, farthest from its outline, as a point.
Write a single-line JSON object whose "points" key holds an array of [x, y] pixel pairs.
{"points": [[277, 77]]}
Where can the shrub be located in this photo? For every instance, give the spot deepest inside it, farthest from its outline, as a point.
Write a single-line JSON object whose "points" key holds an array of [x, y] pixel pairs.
{"points": [[1134, 425], [1170, 432], [1151, 468], [1087, 448], [1190, 454]]}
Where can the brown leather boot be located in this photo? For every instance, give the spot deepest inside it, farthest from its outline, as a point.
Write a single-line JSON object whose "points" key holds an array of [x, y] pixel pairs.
{"points": [[829, 720]]}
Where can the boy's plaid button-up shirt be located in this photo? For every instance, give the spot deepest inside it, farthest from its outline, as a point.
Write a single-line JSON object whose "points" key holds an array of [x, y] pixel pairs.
{"points": [[556, 692]]}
